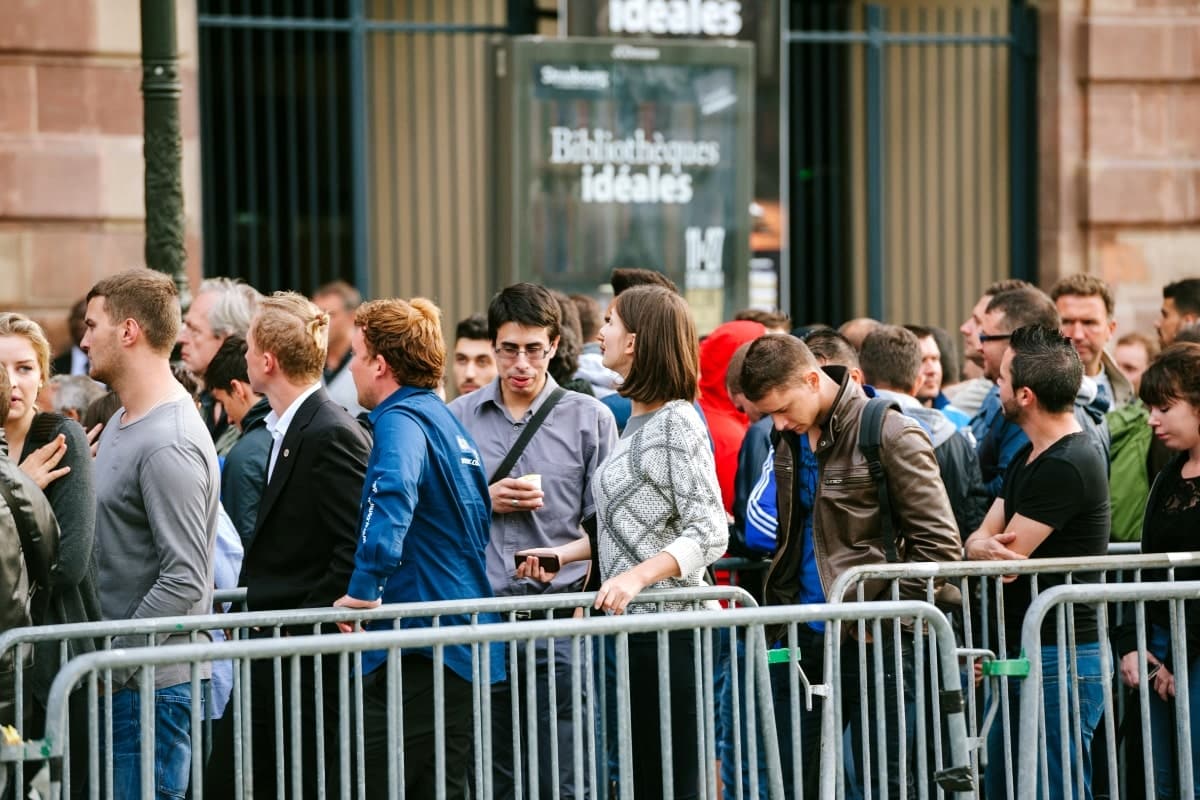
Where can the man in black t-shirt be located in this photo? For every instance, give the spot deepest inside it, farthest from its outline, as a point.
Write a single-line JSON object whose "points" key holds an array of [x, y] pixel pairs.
{"points": [[1054, 504]]}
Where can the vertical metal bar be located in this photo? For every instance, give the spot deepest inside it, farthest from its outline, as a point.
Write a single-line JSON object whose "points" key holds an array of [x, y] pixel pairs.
{"points": [[431, 60], [993, 140], [960, 204], [664, 714], [274, 279], [449, 274], [834, 268], [315, 226], [336, 210], [624, 727], [250, 168], [916, 305], [361, 203], [922, 165], [819, 227], [532, 734], [395, 713], [981, 225], [1183, 725], [145, 692], [208, 158], [416, 190], [705, 652], [394, 149], [785, 161], [232, 262], [295, 703], [1022, 199], [198, 714], [876, 207], [577, 729], [439, 721], [292, 278]]}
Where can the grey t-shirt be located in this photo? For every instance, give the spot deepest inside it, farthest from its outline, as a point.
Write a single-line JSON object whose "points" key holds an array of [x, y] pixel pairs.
{"points": [[157, 490]]}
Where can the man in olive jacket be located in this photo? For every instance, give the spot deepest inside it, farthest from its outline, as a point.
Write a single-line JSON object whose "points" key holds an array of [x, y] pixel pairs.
{"points": [[829, 521]]}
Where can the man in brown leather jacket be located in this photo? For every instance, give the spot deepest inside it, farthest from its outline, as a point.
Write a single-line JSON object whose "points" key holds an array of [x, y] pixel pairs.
{"points": [[829, 521]]}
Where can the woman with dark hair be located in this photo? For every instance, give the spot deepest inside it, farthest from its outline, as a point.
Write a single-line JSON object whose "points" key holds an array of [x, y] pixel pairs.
{"points": [[1170, 388], [659, 516]]}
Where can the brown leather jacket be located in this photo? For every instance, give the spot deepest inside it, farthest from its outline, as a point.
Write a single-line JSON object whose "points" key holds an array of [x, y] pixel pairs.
{"points": [[846, 509]]}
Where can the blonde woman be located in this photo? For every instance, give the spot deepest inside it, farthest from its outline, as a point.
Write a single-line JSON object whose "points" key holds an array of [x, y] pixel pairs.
{"points": [[53, 450]]}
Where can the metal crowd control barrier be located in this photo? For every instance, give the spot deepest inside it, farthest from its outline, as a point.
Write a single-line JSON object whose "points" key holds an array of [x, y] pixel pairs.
{"points": [[1036, 776], [278, 624], [980, 619], [624, 630]]}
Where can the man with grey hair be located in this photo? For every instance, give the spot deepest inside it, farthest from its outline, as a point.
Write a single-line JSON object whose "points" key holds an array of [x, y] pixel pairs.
{"points": [[73, 394], [222, 307]]}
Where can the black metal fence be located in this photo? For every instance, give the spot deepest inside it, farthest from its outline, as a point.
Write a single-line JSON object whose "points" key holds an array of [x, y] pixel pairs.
{"points": [[909, 180], [309, 107]]}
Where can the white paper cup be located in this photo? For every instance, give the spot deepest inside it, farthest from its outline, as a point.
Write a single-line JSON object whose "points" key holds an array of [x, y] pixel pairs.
{"points": [[533, 478]]}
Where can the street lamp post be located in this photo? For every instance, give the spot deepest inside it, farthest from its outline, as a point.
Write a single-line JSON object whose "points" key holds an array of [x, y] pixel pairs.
{"points": [[163, 148]]}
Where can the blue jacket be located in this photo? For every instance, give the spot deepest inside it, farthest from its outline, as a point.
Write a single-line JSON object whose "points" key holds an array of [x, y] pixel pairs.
{"points": [[424, 519]]}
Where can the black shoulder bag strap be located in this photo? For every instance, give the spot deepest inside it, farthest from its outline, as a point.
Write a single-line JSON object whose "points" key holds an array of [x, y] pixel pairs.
{"points": [[870, 441], [530, 429]]}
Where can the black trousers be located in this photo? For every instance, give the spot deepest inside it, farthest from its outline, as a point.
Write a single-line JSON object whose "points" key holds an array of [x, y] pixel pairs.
{"points": [[645, 708], [219, 779], [417, 703]]}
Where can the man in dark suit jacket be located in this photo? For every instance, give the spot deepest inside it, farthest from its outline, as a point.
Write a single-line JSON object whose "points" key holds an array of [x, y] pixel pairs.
{"points": [[302, 553]]}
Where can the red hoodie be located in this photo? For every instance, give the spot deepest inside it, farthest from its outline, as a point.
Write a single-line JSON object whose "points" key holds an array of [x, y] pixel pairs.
{"points": [[726, 424]]}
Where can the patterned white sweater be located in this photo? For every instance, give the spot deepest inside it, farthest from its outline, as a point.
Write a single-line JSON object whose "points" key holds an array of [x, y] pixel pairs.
{"points": [[657, 492]]}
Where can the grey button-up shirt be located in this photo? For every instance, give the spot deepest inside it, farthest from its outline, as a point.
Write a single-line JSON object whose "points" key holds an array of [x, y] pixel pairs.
{"points": [[566, 450]]}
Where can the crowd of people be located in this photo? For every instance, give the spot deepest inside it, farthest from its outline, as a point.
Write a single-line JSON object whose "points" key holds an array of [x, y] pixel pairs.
{"points": [[304, 449]]}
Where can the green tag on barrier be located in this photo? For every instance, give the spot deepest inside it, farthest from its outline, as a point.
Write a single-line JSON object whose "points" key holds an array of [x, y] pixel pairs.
{"points": [[1009, 668], [783, 655]]}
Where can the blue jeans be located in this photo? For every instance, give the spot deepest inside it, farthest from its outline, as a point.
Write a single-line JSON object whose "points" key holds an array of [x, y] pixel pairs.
{"points": [[172, 742], [1087, 676], [1163, 747]]}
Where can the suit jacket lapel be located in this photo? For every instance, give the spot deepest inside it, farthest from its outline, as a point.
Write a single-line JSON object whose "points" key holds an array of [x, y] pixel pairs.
{"points": [[289, 449]]}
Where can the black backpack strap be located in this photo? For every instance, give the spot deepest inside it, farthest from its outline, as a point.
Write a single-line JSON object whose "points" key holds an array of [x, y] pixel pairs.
{"points": [[870, 442], [530, 429]]}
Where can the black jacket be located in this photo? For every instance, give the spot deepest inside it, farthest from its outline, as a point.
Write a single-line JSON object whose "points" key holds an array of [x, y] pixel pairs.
{"points": [[306, 532], [244, 476]]}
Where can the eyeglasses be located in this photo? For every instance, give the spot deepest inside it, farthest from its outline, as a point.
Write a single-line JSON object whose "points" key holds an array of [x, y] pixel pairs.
{"points": [[534, 352], [994, 337]]}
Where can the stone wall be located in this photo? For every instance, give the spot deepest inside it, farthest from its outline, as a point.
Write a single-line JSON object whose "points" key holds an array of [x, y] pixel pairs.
{"points": [[1120, 147], [71, 199]]}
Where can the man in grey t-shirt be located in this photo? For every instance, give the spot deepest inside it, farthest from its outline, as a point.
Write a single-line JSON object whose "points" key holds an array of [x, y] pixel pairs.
{"points": [[157, 489]]}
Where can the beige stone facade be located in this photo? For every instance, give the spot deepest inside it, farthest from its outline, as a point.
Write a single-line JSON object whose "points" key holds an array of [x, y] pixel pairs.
{"points": [[1119, 161], [71, 198], [1120, 146]]}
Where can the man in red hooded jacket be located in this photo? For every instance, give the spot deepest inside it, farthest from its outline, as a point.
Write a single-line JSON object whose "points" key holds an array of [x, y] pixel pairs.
{"points": [[726, 424]]}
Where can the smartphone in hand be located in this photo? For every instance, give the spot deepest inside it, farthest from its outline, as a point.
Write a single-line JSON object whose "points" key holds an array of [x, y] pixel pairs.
{"points": [[548, 562]]}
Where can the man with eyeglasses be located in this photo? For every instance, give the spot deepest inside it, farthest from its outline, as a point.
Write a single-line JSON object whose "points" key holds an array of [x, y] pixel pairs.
{"points": [[543, 499], [998, 439]]}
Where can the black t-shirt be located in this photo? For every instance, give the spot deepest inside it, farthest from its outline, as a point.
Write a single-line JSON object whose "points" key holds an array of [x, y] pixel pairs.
{"points": [[1066, 488]]}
